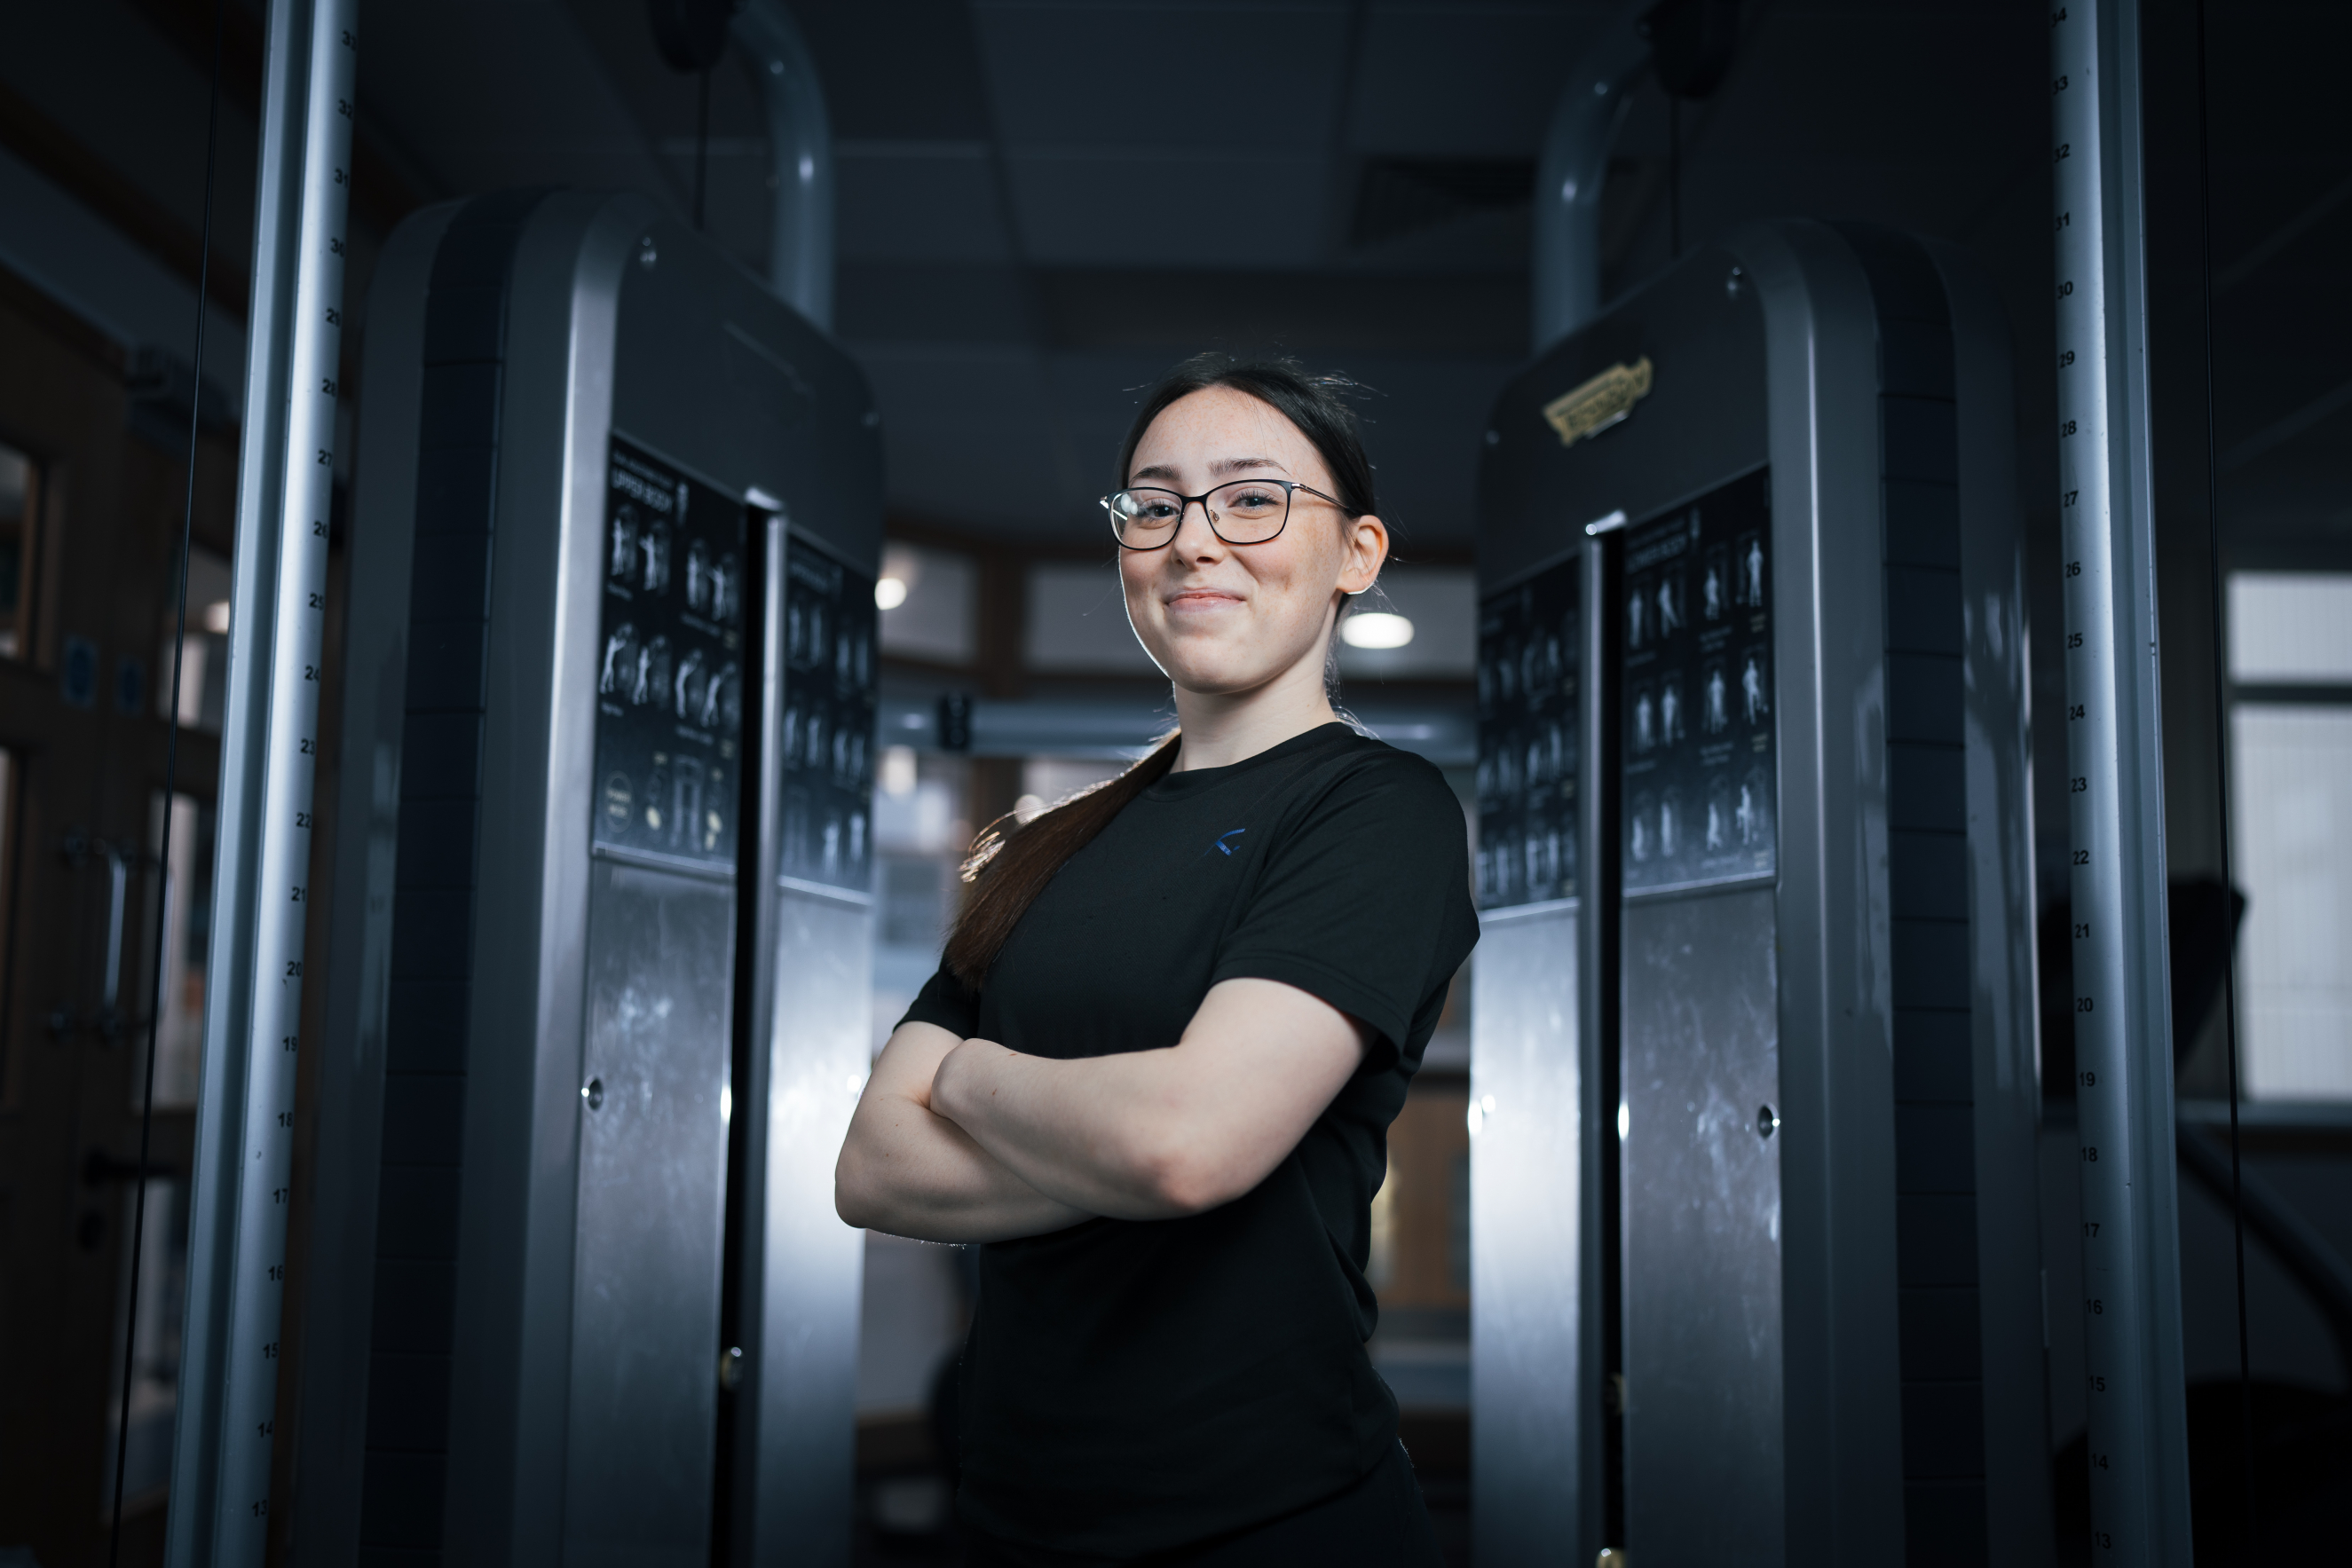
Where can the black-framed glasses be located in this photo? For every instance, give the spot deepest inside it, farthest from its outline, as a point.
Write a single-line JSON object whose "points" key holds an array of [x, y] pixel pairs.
{"points": [[1246, 512]]}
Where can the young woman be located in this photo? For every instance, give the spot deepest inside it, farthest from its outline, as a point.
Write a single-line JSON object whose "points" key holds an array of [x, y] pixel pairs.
{"points": [[1155, 1072]]}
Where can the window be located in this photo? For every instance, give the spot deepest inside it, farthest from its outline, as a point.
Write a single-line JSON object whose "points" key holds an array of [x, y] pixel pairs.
{"points": [[1050, 781], [2291, 796], [1077, 622], [154, 1353], [1432, 632], [19, 501], [922, 826], [186, 887], [926, 601], [204, 648]]}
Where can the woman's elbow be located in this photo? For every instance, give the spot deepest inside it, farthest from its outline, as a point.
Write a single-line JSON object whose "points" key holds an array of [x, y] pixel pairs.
{"points": [[853, 1210], [1186, 1177], [855, 1199]]}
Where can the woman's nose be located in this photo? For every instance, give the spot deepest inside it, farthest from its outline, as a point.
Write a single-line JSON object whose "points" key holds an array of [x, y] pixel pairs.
{"points": [[1194, 535]]}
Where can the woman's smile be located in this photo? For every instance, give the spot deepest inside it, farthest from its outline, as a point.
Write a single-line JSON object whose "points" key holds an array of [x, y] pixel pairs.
{"points": [[1202, 600]]}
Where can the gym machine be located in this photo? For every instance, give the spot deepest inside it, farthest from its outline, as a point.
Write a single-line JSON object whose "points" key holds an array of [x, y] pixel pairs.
{"points": [[599, 991], [1757, 1275]]}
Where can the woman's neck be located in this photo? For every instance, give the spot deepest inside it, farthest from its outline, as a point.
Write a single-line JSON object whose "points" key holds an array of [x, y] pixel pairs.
{"points": [[1224, 727]]}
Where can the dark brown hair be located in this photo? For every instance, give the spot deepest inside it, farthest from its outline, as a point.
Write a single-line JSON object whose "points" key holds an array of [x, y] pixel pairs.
{"points": [[1010, 861]]}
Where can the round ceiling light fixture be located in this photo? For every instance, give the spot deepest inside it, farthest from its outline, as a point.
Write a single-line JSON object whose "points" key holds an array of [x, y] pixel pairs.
{"points": [[889, 592], [1375, 629]]}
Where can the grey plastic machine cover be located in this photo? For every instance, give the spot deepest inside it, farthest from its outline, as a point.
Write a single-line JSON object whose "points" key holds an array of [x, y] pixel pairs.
{"points": [[599, 975], [1756, 1274]]}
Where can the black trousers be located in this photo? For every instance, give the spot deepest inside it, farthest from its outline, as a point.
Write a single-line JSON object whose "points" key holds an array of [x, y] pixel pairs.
{"points": [[1378, 1522]]}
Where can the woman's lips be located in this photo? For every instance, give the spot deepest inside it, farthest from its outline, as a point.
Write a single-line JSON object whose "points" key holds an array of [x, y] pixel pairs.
{"points": [[1199, 598]]}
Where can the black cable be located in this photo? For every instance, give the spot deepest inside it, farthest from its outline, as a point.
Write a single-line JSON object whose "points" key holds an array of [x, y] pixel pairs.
{"points": [[701, 147], [171, 782], [2221, 766]]}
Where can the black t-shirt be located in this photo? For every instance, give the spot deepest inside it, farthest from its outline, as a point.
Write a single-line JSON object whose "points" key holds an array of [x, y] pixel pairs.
{"points": [[1133, 1386]]}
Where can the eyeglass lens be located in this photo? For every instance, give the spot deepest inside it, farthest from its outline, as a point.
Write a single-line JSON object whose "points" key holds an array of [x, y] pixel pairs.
{"points": [[1248, 511]]}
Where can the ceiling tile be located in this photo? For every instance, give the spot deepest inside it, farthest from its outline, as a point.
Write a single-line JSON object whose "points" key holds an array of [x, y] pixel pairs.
{"points": [[1186, 309], [1109, 208], [918, 201], [1239, 73], [490, 97], [898, 68], [1423, 66], [968, 434], [909, 302]]}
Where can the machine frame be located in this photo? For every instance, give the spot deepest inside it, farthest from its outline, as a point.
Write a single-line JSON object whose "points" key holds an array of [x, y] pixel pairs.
{"points": [[1781, 349], [611, 323]]}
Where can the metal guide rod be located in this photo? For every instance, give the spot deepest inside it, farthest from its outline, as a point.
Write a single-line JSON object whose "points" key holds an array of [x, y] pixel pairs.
{"points": [[237, 1253], [2123, 1057]]}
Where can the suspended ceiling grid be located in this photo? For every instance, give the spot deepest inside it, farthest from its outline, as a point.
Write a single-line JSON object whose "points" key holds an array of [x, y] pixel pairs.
{"points": [[1044, 205]]}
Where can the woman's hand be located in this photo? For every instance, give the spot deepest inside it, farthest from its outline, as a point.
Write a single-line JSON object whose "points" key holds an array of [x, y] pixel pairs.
{"points": [[906, 1171], [1155, 1135]]}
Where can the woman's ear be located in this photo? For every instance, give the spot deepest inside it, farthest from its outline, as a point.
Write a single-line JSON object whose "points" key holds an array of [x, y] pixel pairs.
{"points": [[1367, 545]]}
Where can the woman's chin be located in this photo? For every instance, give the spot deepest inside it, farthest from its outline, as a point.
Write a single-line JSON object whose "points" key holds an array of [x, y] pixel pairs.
{"points": [[1214, 662], [1214, 676]]}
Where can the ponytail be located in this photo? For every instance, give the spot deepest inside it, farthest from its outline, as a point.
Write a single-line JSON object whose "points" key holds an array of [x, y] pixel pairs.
{"points": [[1010, 861]]}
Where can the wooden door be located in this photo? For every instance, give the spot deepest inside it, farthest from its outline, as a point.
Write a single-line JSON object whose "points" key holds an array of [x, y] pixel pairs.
{"points": [[91, 487]]}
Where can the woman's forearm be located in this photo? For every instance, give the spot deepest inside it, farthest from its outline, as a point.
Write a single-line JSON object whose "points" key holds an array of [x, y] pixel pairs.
{"points": [[1153, 1134], [907, 1171], [1100, 1133], [925, 1177]]}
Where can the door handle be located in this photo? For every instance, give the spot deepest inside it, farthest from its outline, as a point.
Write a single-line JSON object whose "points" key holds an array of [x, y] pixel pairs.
{"points": [[118, 872]]}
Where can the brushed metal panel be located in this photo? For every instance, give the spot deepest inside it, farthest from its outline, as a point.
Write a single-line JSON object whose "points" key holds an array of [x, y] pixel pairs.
{"points": [[805, 1354], [653, 1171], [1533, 1394], [1703, 1466]]}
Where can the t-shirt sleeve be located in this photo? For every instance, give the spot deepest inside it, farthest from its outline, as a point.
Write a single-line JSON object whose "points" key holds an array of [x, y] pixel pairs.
{"points": [[1365, 901], [948, 1002]]}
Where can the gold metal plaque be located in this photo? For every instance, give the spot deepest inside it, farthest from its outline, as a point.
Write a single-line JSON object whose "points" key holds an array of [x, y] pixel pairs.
{"points": [[1599, 403]]}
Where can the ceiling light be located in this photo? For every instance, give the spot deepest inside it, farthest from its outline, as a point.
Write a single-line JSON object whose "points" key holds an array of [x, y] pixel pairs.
{"points": [[889, 592], [1375, 629], [216, 616]]}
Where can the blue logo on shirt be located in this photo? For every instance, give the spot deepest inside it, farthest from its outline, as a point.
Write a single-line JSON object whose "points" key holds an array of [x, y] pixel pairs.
{"points": [[1220, 846]]}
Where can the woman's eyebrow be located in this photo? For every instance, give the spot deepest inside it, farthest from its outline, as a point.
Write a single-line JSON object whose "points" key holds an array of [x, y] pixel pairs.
{"points": [[1223, 466]]}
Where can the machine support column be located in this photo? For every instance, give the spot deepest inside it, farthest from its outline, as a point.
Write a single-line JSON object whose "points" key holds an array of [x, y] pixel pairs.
{"points": [[2130, 1310], [237, 1247]]}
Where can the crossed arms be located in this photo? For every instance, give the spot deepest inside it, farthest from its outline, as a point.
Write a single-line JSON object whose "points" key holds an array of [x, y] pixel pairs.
{"points": [[966, 1141]]}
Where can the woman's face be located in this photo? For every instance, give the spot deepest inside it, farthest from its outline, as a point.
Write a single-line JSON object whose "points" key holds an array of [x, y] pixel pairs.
{"points": [[1228, 619]]}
